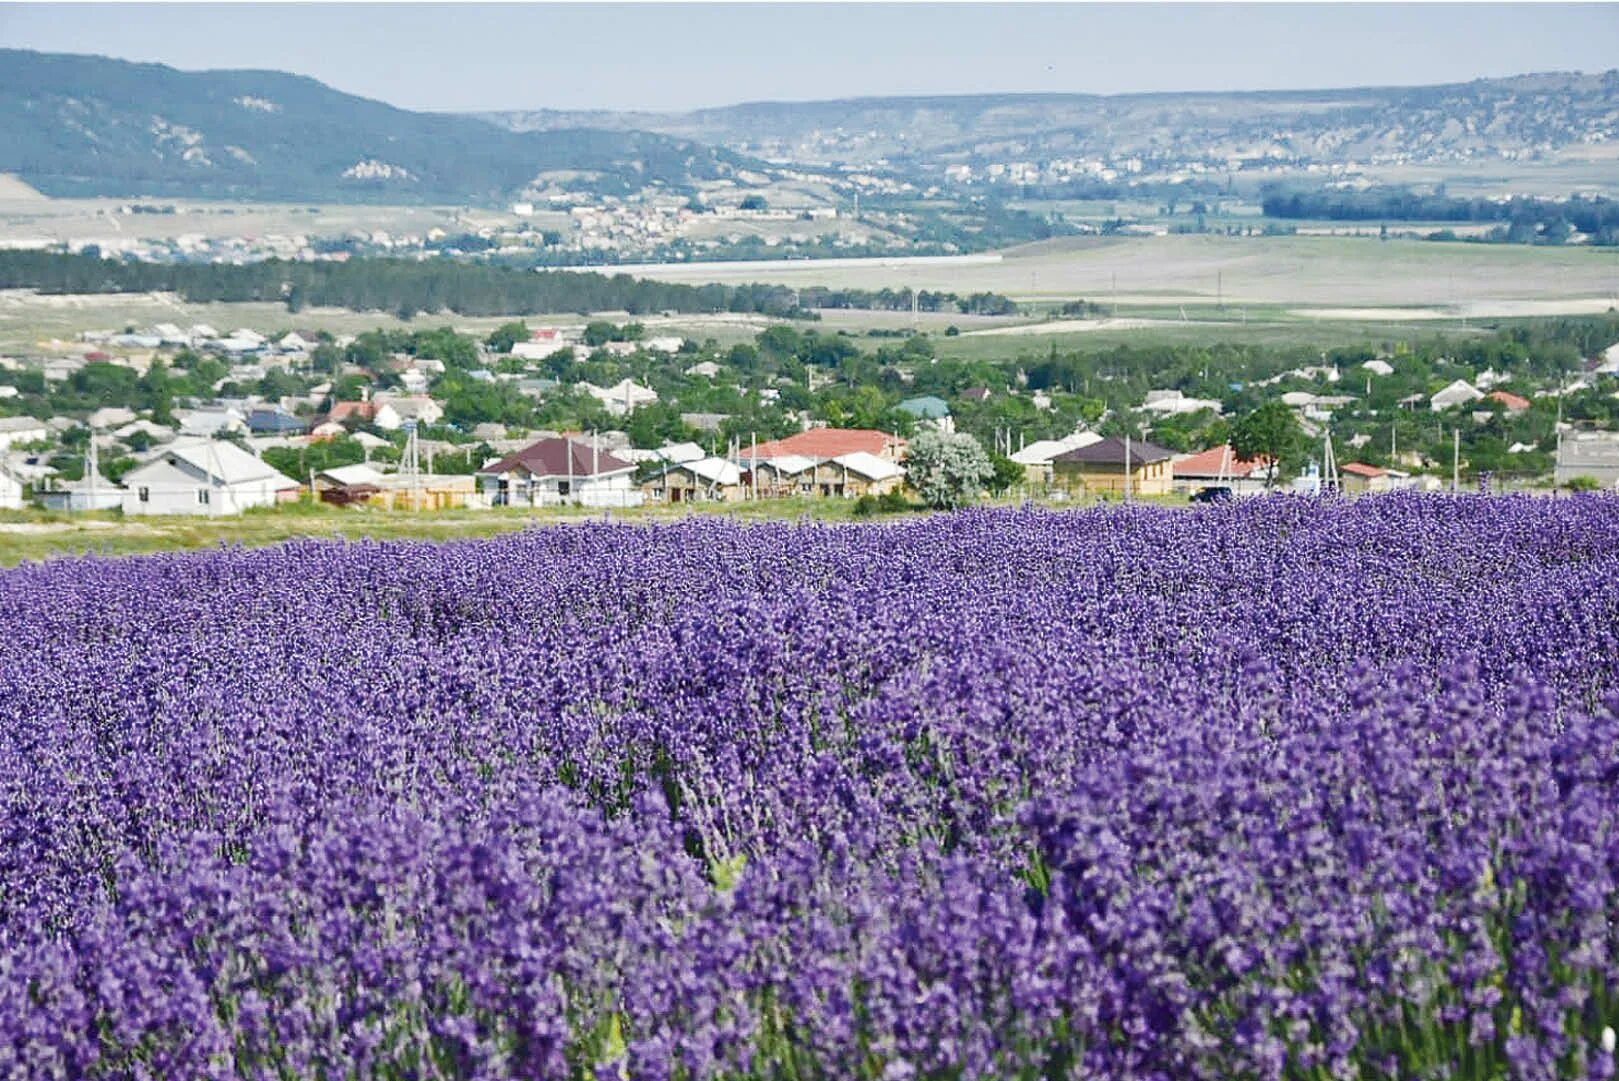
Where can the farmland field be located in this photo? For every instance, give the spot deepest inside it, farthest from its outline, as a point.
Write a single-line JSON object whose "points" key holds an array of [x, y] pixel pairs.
{"points": [[1290, 789], [1302, 271]]}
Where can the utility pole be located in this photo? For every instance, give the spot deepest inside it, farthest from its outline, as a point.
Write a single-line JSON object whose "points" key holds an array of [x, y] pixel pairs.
{"points": [[95, 467], [1455, 460], [1127, 467], [412, 465], [1329, 466]]}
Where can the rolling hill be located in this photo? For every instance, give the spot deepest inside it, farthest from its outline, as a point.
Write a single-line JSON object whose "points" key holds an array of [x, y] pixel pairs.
{"points": [[1487, 118], [90, 126]]}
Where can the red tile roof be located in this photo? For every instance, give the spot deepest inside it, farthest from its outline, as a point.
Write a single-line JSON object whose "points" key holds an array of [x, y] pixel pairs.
{"points": [[830, 443], [1208, 464], [1361, 469], [549, 458], [341, 411], [1512, 401]]}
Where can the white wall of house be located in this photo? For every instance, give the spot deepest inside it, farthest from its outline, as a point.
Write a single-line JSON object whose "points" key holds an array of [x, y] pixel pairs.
{"points": [[23, 434], [615, 490], [164, 487], [10, 492]]}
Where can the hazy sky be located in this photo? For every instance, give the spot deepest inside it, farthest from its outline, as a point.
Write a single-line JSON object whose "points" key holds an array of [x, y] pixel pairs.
{"points": [[678, 56]]}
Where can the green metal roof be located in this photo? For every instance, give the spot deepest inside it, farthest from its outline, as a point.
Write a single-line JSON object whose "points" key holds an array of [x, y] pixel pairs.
{"points": [[927, 407]]}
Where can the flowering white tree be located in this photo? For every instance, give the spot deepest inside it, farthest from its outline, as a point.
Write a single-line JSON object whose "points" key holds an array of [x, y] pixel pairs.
{"points": [[948, 469]]}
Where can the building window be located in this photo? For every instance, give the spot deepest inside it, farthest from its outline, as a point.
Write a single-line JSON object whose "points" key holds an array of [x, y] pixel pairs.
{"points": [[202, 496], [145, 494]]}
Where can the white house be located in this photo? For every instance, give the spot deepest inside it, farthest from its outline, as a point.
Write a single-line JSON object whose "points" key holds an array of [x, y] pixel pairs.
{"points": [[210, 421], [622, 397], [417, 407], [555, 471], [1173, 402], [10, 491], [18, 430], [204, 478], [1379, 367], [1458, 393], [666, 344]]}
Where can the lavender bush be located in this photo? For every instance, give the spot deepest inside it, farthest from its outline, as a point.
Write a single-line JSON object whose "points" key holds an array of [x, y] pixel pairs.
{"points": [[1291, 789]]}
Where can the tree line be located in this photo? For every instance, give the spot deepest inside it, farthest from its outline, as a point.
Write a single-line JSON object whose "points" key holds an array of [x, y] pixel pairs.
{"points": [[408, 288], [893, 300], [1525, 217], [403, 287]]}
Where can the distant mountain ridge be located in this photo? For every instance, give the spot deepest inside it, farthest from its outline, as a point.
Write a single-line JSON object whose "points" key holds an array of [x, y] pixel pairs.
{"points": [[1488, 117], [74, 125]]}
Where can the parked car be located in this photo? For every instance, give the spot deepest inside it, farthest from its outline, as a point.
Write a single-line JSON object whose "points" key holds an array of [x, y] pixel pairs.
{"points": [[1215, 493]]}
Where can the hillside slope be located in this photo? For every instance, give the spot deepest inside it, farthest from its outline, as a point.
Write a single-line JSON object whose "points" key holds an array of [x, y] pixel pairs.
{"points": [[1489, 118], [82, 125]]}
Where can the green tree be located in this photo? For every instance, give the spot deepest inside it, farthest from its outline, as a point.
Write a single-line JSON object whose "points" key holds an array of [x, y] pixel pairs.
{"points": [[1271, 432], [503, 337], [948, 469], [599, 332], [1007, 474]]}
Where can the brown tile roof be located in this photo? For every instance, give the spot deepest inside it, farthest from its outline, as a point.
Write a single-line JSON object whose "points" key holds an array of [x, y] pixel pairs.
{"points": [[1361, 469], [1512, 401], [1110, 451], [549, 458]]}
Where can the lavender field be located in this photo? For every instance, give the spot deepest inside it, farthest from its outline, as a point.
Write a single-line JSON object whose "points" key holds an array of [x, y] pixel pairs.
{"points": [[1292, 789]]}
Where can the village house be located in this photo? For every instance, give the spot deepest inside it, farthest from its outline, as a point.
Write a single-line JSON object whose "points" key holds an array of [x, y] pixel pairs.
{"points": [[855, 474], [1102, 468], [700, 480], [1218, 467], [823, 443], [15, 431], [930, 411], [205, 477], [414, 407], [559, 470], [622, 397], [10, 491], [274, 422], [343, 415], [210, 421], [542, 342], [1358, 478], [1035, 458], [1172, 403], [1588, 454], [1457, 393], [781, 476], [1513, 403]]}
